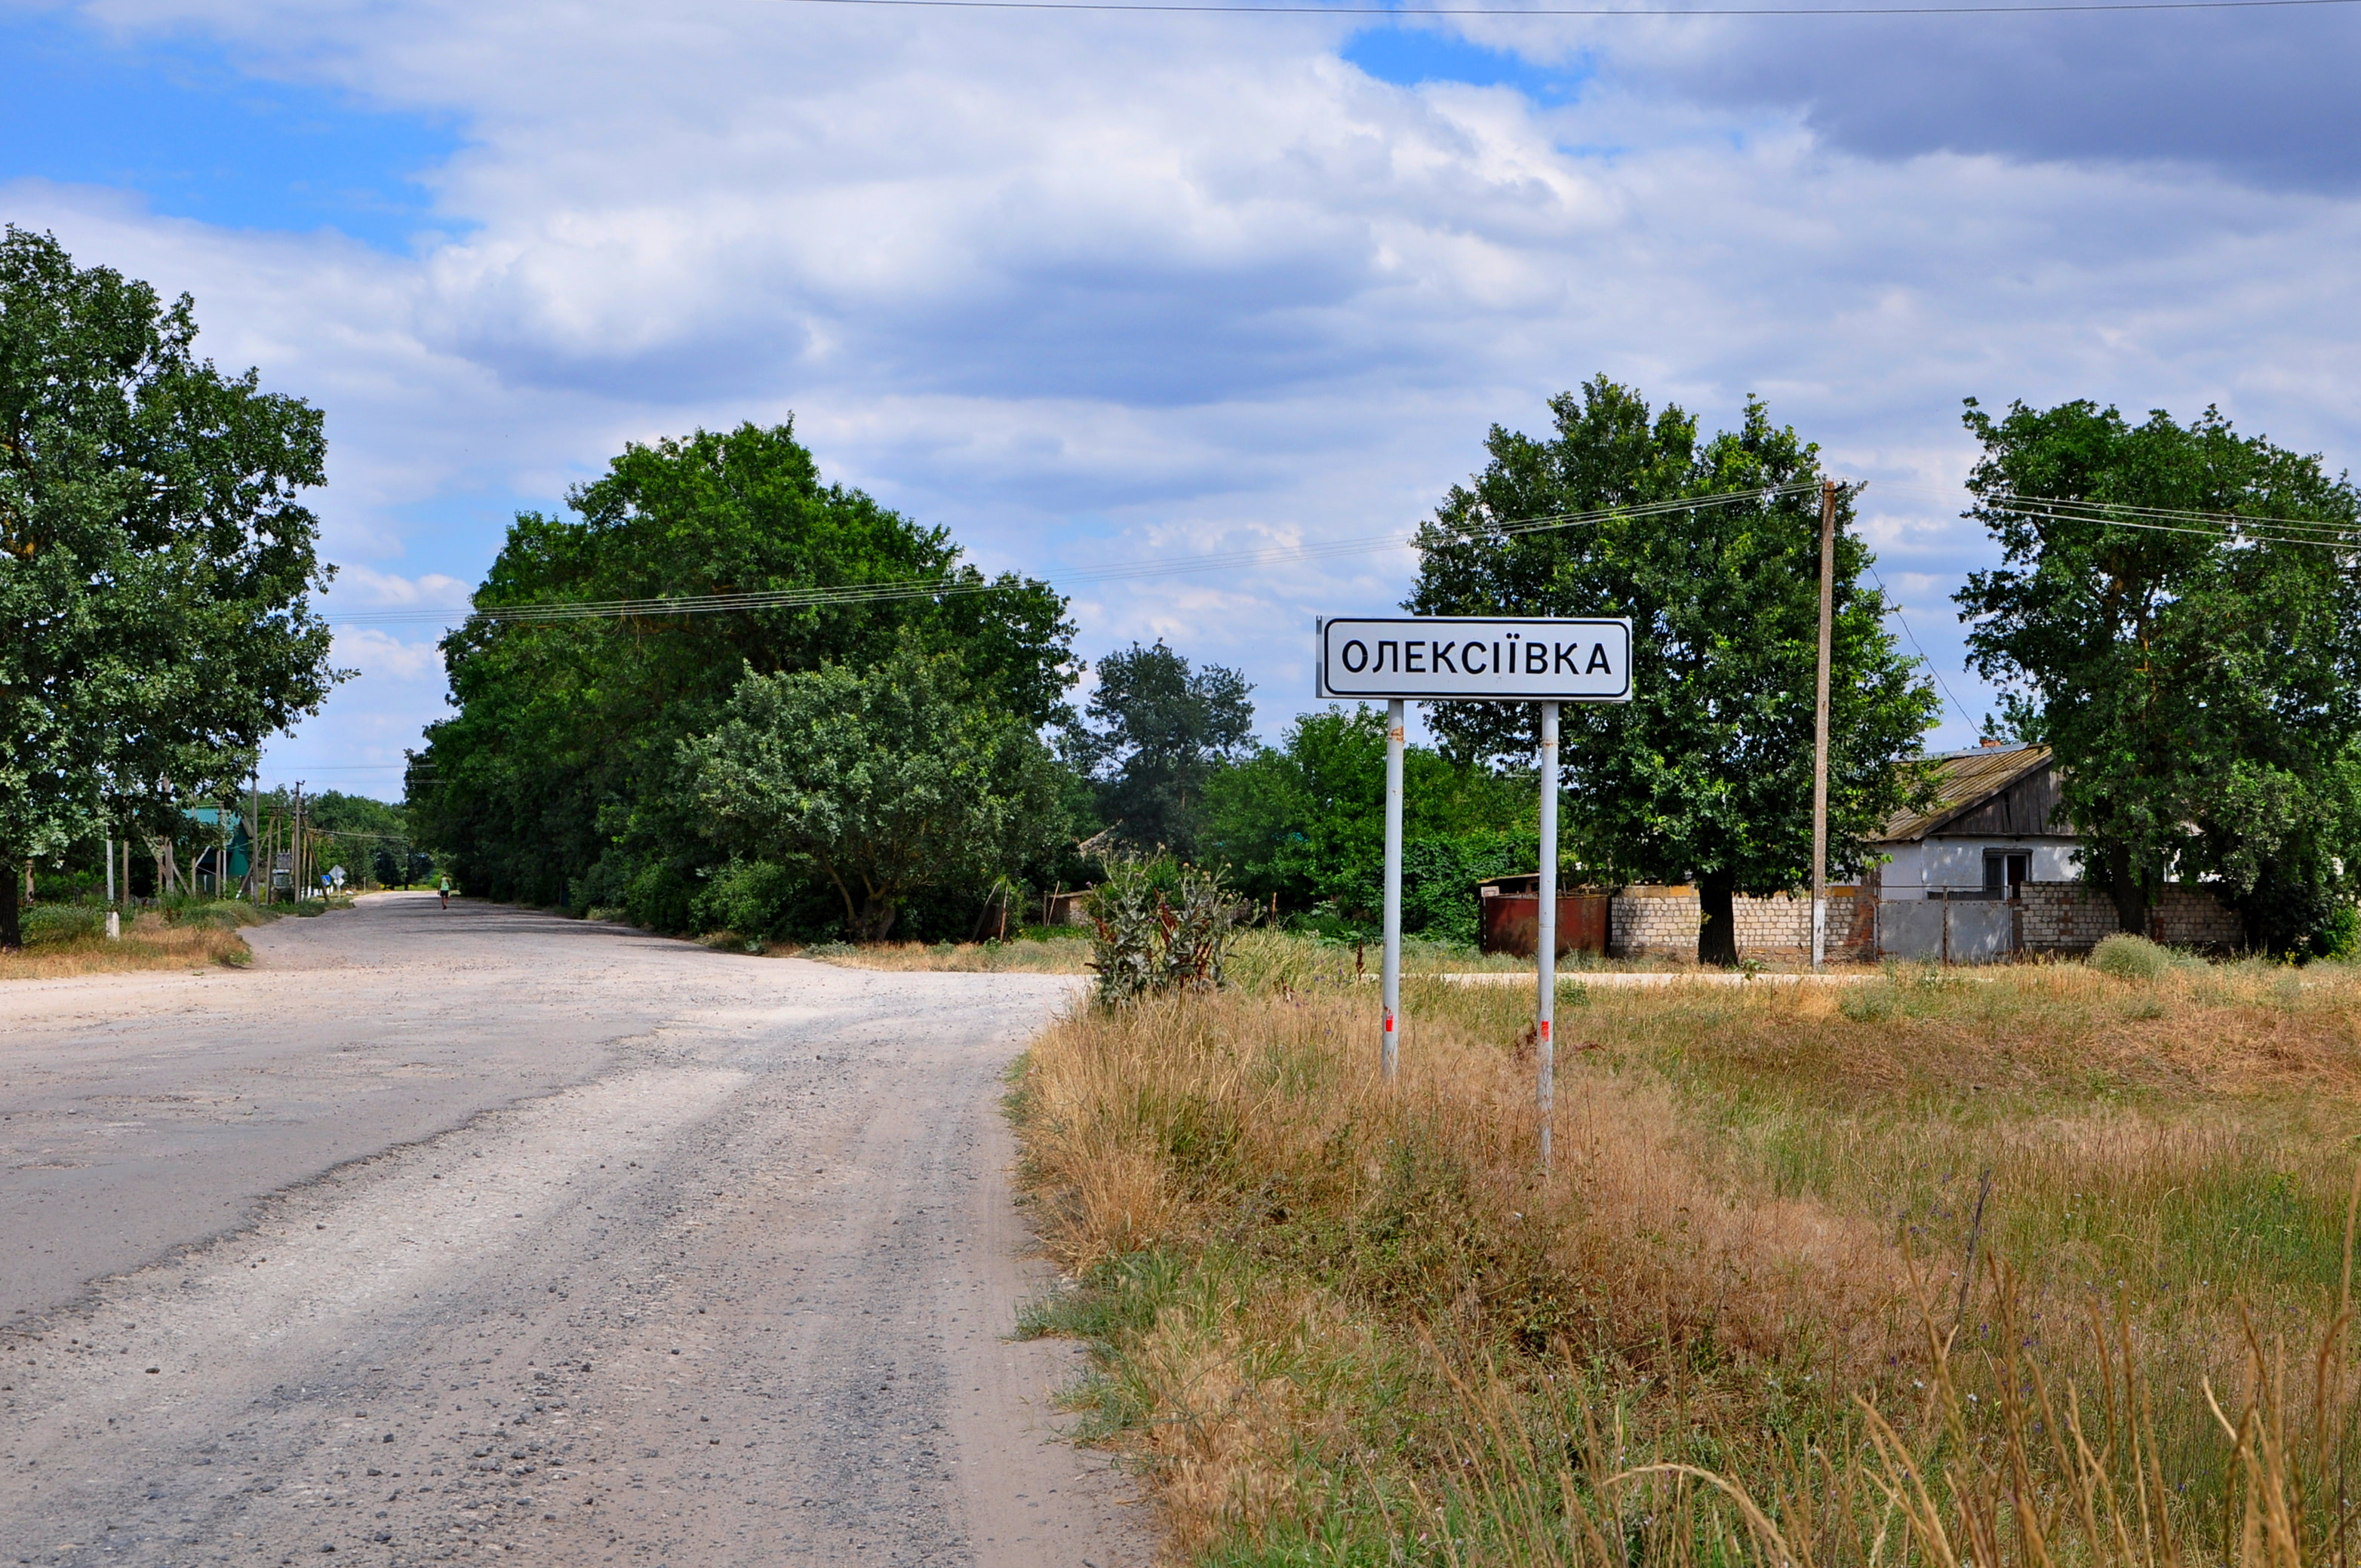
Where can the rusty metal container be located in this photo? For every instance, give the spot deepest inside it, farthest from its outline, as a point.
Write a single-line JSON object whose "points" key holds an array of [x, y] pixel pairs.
{"points": [[1509, 916]]}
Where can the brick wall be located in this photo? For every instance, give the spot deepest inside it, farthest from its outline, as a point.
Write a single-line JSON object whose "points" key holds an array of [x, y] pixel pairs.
{"points": [[2069, 918], [1645, 922]]}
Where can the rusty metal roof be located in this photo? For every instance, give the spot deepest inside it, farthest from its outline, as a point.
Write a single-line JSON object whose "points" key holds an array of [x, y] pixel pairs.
{"points": [[1963, 781]]}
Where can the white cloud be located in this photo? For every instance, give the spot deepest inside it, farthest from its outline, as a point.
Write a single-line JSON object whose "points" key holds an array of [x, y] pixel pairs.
{"points": [[1089, 288]]}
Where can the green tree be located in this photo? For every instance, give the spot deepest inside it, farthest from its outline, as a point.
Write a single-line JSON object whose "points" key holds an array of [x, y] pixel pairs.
{"points": [[1306, 822], [1154, 732], [557, 780], [2199, 679], [1706, 772], [886, 781], [155, 561]]}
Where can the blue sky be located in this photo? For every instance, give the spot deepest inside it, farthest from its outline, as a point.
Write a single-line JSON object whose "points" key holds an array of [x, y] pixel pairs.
{"points": [[1092, 289], [174, 120]]}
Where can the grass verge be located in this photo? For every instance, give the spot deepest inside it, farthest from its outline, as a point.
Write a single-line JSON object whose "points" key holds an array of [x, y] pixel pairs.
{"points": [[1055, 955], [1336, 1321], [66, 939]]}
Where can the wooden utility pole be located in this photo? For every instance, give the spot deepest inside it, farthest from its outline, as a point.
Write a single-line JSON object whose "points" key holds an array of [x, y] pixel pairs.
{"points": [[1820, 727]]}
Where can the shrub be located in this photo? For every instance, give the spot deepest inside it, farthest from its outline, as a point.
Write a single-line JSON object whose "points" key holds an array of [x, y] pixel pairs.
{"points": [[2127, 957], [755, 898], [1159, 925], [62, 922]]}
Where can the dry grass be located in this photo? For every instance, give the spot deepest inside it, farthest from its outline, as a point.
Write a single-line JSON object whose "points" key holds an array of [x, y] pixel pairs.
{"points": [[63, 944], [1337, 1321], [1061, 956]]}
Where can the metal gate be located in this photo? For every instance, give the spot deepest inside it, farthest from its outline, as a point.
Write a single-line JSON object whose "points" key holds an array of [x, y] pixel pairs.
{"points": [[1962, 931], [1509, 919]]}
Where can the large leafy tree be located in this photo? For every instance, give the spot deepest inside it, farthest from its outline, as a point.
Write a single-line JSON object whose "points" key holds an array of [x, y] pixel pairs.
{"points": [[1706, 772], [558, 780], [2177, 618], [886, 781], [1154, 732], [155, 561]]}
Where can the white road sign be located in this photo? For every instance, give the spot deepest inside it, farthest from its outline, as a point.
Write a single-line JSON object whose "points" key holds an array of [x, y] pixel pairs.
{"points": [[1427, 658]]}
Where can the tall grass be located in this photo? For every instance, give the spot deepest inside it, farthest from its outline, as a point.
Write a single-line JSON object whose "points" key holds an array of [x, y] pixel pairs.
{"points": [[1337, 1320]]}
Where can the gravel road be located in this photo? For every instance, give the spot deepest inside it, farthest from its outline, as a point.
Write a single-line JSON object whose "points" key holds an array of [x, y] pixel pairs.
{"points": [[449, 1236]]}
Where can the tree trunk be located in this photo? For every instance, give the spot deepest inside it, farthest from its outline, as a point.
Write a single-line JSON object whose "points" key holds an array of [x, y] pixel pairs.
{"points": [[2131, 898], [12, 925], [876, 919], [1717, 930]]}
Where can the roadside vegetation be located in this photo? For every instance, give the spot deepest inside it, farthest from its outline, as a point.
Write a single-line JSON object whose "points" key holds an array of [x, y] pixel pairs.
{"points": [[1333, 1321], [63, 940]]}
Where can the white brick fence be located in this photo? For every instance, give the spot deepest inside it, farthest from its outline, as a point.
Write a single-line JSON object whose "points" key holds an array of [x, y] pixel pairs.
{"points": [[1654, 922]]}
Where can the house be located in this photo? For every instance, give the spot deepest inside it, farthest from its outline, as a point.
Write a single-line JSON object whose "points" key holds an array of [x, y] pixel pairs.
{"points": [[1987, 868], [1995, 824]]}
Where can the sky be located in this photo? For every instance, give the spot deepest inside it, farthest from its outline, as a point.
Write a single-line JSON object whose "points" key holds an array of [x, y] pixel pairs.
{"points": [[1098, 290]]}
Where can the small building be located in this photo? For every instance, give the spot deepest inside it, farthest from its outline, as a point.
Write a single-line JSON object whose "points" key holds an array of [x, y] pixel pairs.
{"points": [[1987, 870], [1995, 824]]}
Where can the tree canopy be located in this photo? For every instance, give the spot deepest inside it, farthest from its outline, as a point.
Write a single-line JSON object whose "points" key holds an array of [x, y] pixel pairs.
{"points": [[155, 561], [1706, 772], [560, 779], [1154, 733], [886, 781], [2198, 678], [1306, 822]]}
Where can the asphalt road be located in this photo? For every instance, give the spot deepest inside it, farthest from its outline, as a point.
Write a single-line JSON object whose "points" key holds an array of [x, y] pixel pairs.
{"points": [[486, 1234]]}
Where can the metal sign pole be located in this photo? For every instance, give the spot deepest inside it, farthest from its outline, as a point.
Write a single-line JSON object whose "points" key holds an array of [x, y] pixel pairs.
{"points": [[1545, 944], [1820, 728], [1392, 971]]}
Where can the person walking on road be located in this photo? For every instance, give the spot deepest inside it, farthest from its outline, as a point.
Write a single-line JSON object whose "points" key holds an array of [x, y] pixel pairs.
{"points": [[446, 892]]}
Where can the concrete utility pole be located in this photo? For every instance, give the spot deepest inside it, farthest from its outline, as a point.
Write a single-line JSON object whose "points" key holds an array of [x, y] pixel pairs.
{"points": [[1820, 727]]}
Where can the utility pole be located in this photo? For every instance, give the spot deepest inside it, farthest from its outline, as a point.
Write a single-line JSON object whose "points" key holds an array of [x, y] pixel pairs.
{"points": [[256, 877], [1820, 727], [295, 848]]}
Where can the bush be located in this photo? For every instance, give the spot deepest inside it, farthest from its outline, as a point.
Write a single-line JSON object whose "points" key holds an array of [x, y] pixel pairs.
{"points": [[657, 898], [62, 922], [755, 898], [2340, 936], [1159, 925], [2127, 957]]}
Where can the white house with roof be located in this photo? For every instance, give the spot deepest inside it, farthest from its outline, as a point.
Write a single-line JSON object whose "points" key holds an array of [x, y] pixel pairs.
{"points": [[1994, 825]]}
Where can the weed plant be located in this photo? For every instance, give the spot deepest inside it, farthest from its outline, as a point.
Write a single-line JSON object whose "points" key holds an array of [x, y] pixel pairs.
{"points": [[1337, 1320]]}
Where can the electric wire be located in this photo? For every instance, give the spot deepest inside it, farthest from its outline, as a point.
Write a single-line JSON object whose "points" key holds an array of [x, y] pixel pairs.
{"points": [[2227, 526], [1211, 7], [932, 587], [1900, 614]]}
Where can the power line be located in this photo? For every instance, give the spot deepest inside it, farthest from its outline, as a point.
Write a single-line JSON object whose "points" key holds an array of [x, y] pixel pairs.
{"points": [[1173, 7], [2225, 526], [1902, 615], [933, 587]]}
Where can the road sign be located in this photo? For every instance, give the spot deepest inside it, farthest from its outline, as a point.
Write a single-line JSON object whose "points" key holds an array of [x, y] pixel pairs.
{"points": [[1546, 660], [1439, 658]]}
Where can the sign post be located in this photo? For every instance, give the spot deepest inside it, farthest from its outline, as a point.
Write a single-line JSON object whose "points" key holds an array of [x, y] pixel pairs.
{"points": [[1391, 967], [1548, 661]]}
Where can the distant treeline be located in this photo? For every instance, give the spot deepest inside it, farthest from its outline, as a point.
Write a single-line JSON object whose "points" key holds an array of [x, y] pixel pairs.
{"points": [[2174, 616]]}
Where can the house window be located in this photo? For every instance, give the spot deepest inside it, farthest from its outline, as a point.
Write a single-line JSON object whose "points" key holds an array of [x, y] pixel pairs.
{"points": [[2006, 871]]}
